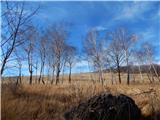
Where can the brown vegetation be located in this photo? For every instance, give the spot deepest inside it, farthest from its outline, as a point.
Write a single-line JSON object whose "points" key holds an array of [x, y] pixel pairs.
{"points": [[44, 102]]}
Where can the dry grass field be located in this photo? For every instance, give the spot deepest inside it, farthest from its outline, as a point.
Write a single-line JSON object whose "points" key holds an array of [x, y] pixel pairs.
{"points": [[49, 102]]}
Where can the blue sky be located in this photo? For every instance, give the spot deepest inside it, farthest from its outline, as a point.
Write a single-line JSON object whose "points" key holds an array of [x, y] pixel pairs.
{"points": [[141, 18]]}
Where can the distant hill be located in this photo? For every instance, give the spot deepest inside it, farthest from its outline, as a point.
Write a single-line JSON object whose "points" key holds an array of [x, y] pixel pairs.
{"points": [[135, 69]]}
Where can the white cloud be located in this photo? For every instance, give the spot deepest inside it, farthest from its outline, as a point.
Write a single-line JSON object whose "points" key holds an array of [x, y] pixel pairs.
{"points": [[100, 28], [81, 66], [133, 10], [82, 63], [158, 62]]}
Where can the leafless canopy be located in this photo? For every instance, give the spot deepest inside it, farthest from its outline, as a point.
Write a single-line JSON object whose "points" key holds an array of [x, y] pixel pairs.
{"points": [[15, 21]]}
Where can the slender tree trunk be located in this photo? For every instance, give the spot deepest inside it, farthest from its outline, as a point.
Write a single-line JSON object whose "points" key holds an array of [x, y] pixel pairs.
{"points": [[36, 74], [111, 73], [41, 73], [58, 72], [149, 74], [43, 76], [17, 82], [39, 80], [149, 77], [139, 67], [30, 79], [70, 74], [155, 71], [53, 75], [20, 76], [3, 65], [119, 73], [57, 76], [48, 75], [128, 75], [62, 74], [150, 71], [133, 74], [134, 79], [101, 76]]}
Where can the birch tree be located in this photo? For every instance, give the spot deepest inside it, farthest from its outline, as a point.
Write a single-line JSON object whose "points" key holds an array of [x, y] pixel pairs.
{"points": [[127, 39], [70, 59], [115, 51], [29, 49], [42, 54], [94, 50], [58, 36], [149, 52], [14, 25]]}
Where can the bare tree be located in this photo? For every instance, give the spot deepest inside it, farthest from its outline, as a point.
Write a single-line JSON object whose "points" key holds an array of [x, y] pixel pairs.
{"points": [[94, 50], [42, 53], [58, 37], [29, 48], [36, 68], [70, 58], [115, 51], [51, 59], [109, 65], [148, 50], [138, 56], [14, 25], [127, 41]]}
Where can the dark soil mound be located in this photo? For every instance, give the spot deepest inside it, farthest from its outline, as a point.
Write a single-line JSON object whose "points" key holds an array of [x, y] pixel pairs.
{"points": [[105, 107]]}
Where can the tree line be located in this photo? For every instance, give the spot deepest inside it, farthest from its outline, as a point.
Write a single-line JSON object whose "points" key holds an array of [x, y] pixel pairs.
{"points": [[48, 52]]}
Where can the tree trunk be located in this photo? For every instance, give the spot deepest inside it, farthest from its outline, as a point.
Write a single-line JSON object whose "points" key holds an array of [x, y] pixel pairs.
{"points": [[155, 71], [43, 79], [70, 74], [111, 73], [101, 76], [36, 77], [57, 76], [20, 78], [39, 80], [17, 81], [150, 71], [119, 73], [53, 75], [63, 74], [41, 74], [128, 75], [140, 73], [3, 65], [149, 77], [58, 72], [30, 79], [36, 81]]}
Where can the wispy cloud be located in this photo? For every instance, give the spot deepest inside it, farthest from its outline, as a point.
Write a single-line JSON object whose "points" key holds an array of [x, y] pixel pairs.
{"points": [[133, 10], [100, 28], [81, 66]]}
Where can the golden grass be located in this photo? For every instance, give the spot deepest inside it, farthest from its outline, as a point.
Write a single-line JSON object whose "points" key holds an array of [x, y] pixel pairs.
{"points": [[87, 77], [43, 102], [49, 102]]}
